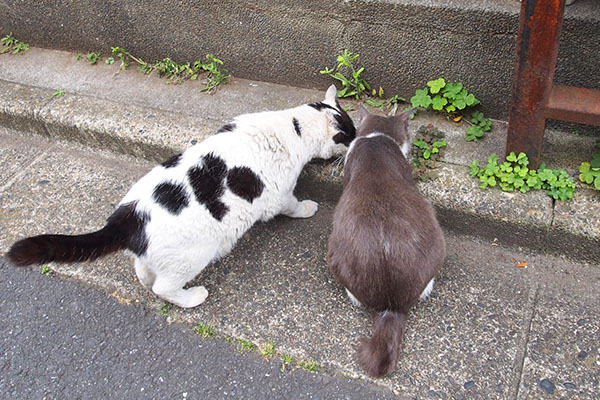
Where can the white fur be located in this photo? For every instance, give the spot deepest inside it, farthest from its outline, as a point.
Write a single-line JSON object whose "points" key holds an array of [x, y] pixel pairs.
{"points": [[427, 291], [405, 148], [180, 246], [353, 299]]}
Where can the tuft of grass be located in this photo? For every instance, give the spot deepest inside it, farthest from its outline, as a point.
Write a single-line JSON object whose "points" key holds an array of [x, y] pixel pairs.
{"points": [[205, 331], [59, 93], [246, 346], [286, 360], [175, 72], [94, 57], [13, 45], [267, 350], [309, 365], [165, 308], [46, 270]]}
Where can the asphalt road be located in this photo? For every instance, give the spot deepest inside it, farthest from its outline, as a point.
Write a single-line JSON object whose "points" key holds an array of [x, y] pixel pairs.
{"points": [[62, 340]]}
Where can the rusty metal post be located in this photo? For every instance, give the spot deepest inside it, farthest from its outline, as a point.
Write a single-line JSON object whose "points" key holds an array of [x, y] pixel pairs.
{"points": [[537, 50]]}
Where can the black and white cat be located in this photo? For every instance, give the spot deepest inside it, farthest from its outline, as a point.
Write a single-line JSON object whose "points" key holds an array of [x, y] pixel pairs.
{"points": [[386, 246], [191, 209]]}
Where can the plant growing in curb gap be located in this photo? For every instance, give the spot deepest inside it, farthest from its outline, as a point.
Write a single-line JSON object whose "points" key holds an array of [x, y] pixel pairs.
{"points": [[426, 150], [589, 172], [514, 174], [205, 331], [165, 309], [13, 45], [452, 98], [353, 86], [94, 57], [176, 73]]}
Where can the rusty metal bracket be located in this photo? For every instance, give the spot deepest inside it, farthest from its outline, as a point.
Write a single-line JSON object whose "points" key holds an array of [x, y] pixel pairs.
{"points": [[535, 97]]}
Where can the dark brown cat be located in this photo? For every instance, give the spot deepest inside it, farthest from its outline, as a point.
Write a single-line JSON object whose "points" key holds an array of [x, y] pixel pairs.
{"points": [[386, 246]]}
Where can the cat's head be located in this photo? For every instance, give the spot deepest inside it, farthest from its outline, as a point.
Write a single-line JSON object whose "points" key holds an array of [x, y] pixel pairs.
{"points": [[395, 127], [340, 130]]}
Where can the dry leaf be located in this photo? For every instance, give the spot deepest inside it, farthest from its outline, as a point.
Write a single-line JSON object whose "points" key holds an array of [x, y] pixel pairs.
{"points": [[457, 119], [521, 265]]}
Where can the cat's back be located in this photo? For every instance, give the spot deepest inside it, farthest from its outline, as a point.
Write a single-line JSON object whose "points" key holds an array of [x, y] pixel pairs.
{"points": [[384, 230]]}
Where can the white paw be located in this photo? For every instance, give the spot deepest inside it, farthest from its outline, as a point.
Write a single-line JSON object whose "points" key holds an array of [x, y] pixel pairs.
{"points": [[197, 295], [307, 208]]}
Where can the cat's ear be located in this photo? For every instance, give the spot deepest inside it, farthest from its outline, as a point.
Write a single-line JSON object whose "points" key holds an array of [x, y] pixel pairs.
{"points": [[406, 115], [363, 112], [331, 95]]}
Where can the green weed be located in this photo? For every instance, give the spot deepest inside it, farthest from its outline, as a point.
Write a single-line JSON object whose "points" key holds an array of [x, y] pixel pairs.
{"points": [[13, 45], [46, 270], [427, 146], [353, 85], [94, 57], [205, 331], [514, 174], [309, 365], [452, 98], [246, 346], [165, 309], [589, 172], [286, 360], [267, 350]]}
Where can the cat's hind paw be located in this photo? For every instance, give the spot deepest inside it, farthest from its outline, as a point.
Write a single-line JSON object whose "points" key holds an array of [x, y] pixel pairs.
{"points": [[197, 295], [306, 209]]}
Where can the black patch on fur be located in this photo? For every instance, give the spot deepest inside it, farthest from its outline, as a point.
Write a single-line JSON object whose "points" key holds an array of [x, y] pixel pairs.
{"points": [[297, 127], [125, 229], [243, 182], [226, 128], [320, 105], [133, 223], [172, 162], [208, 184], [343, 122], [344, 125], [170, 196]]}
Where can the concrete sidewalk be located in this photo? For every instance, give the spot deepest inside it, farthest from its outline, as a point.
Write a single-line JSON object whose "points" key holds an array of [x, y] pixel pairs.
{"points": [[128, 112], [490, 330]]}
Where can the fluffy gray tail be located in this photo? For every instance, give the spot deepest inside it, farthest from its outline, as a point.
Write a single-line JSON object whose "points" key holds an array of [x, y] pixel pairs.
{"points": [[124, 229], [379, 355]]}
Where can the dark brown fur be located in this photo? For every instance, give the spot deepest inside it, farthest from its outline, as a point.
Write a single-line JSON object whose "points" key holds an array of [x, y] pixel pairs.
{"points": [[386, 243]]}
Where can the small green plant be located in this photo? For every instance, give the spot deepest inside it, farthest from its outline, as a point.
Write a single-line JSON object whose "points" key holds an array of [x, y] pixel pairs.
{"points": [[354, 85], [589, 172], [175, 72], [59, 93], [428, 143], [79, 57], [205, 331], [165, 309], [452, 98], [514, 174], [309, 365], [286, 360], [479, 125], [246, 346], [267, 350], [94, 57], [46, 270], [109, 61], [390, 104], [215, 76], [13, 45]]}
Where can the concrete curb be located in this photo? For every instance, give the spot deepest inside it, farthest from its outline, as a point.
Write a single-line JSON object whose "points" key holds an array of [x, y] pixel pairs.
{"points": [[533, 220]]}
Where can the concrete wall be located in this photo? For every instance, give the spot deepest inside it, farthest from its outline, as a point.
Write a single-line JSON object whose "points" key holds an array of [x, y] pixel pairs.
{"points": [[402, 43]]}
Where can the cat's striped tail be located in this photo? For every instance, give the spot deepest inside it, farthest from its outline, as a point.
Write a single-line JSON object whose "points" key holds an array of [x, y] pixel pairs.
{"points": [[379, 354], [123, 230]]}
